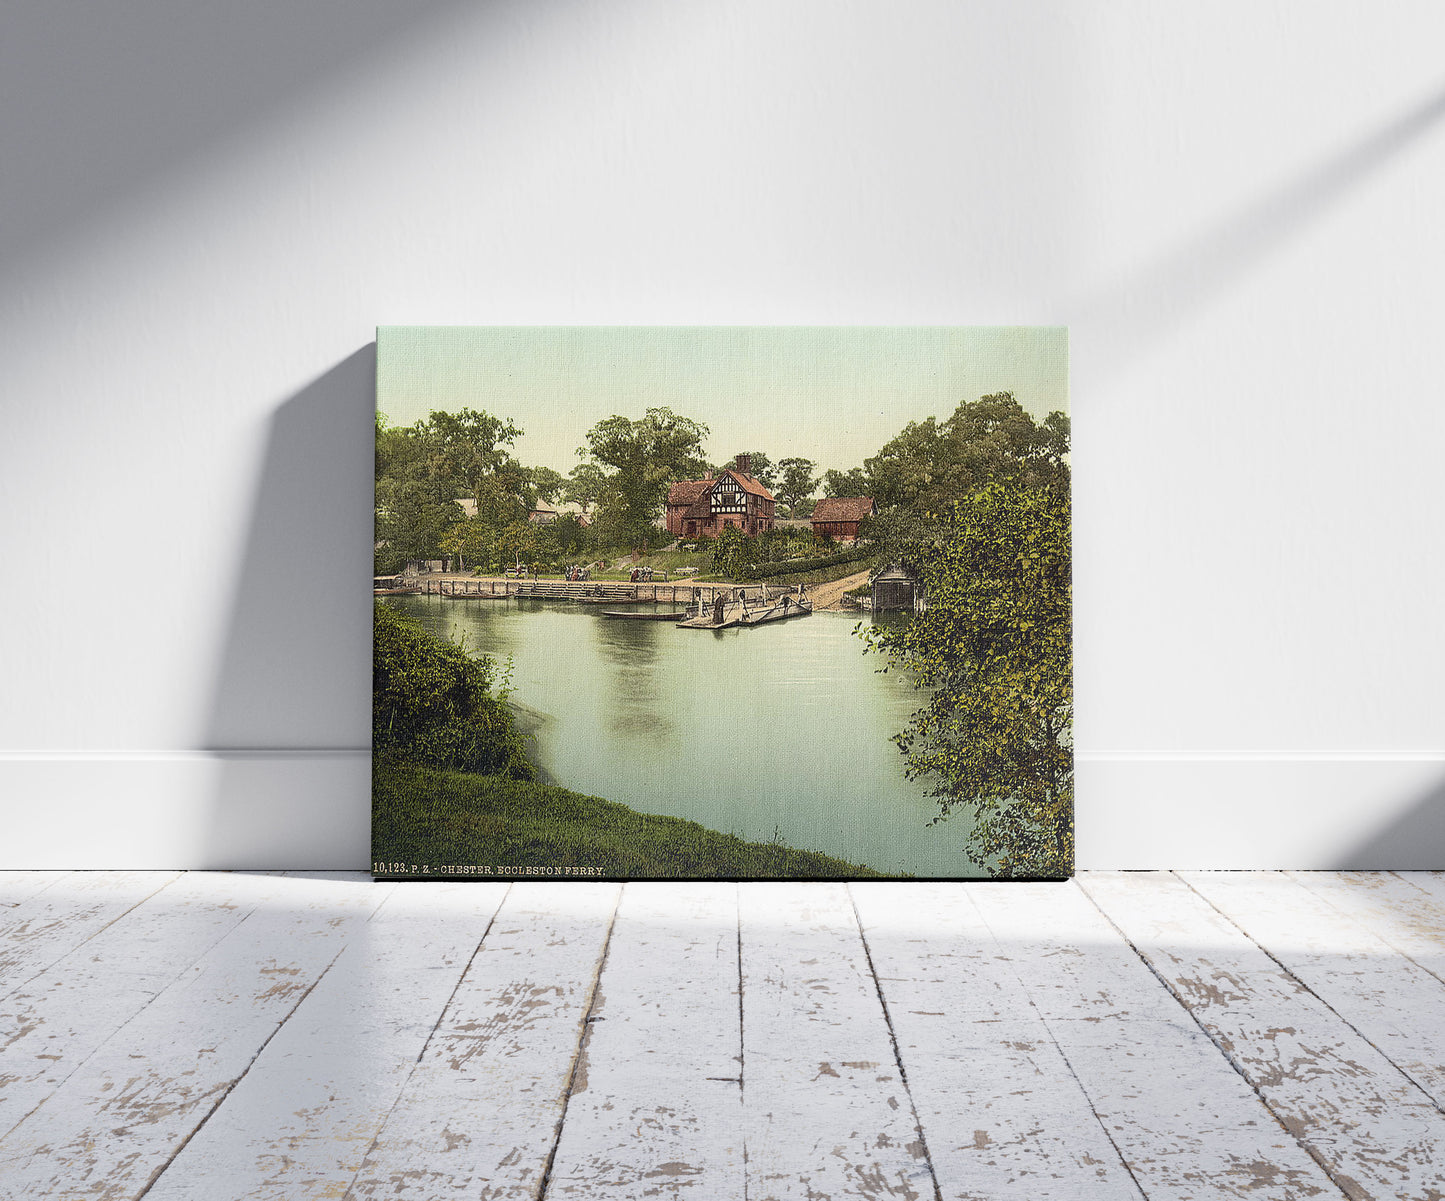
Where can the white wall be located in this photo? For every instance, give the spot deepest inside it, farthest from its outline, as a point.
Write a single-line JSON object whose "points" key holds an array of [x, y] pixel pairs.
{"points": [[206, 207]]}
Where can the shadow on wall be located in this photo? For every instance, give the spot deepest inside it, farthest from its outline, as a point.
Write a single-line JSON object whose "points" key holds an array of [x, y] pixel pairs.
{"points": [[289, 720], [1151, 303], [1413, 842], [119, 96]]}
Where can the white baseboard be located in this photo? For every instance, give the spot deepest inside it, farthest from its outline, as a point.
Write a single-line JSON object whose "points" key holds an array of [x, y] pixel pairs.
{"points": [[1241, 810], [310, 809], [186, 809]]}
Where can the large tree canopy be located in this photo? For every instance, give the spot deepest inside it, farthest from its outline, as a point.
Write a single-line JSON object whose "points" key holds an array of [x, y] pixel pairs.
{"points": [[853, 482], [932, 464], [639, 460], [994, 652], [423, 470], [469, 450]]}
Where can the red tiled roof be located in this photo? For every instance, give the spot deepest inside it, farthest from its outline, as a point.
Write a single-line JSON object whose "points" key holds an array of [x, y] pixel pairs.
{"points": [[694, 493], [750, 485], [843, 508], [684, 492]]}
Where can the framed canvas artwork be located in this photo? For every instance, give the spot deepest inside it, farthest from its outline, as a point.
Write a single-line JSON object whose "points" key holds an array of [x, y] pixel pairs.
{"points": [[722, 603]]}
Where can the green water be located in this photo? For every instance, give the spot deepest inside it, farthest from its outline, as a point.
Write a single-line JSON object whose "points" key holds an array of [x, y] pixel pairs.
{"points": [[782, 731]]}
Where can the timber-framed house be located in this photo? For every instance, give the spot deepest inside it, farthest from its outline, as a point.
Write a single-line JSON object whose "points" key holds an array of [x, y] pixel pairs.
{"points": [[704, 508]]}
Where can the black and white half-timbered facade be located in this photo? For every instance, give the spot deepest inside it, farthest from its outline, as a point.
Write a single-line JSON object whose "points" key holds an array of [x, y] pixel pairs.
{"points": [[704, 508]]}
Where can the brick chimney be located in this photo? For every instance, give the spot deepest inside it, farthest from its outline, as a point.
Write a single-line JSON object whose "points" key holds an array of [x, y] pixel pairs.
{"points": [[745, 464]]}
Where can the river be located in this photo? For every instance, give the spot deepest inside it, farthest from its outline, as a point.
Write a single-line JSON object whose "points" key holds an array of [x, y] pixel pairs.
{"points": [[780, 732]]}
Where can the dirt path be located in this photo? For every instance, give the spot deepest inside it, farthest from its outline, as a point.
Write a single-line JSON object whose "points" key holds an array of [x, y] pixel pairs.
{"points": [[828, 596]]}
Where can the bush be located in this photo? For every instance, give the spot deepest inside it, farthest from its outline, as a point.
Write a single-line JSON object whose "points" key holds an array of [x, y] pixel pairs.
{"points": [[734, 554], [791, 566], [431, 703]]}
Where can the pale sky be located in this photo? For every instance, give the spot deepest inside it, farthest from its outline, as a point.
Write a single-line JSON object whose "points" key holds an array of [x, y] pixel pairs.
{"points": [[833, 394]]}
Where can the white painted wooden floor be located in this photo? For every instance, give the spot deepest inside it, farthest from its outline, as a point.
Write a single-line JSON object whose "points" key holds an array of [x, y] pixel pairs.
{"points": [[1189, 1035]]}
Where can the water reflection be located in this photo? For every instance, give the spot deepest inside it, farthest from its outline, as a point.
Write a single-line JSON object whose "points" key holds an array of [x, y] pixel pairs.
{"points": [[785, 730], [630, 650]]}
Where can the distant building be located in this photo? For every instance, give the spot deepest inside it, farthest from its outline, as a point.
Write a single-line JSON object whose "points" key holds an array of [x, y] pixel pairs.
{"points": [[838, 517], [542, 516], [896, 586], [704, 508]]}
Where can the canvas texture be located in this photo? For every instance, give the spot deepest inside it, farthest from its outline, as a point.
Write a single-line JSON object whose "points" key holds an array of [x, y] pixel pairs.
{"points": [[722, 603]]}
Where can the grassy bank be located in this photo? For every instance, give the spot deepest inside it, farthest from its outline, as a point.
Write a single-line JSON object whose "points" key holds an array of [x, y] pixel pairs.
{"points": [[437, 818]]}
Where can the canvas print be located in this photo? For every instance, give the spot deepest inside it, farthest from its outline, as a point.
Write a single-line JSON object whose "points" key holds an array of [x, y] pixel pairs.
{"points": [[722, 603]]}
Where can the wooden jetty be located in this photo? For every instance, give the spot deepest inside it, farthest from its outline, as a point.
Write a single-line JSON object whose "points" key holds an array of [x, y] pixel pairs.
{"points": [[724, 612]]}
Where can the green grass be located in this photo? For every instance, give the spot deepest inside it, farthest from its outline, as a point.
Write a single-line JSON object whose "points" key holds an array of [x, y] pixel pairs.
{"points": [[423, 817]]}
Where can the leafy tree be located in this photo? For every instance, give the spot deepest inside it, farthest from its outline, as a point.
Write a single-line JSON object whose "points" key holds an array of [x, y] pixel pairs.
{"points": [[930, 464], [547, 484], [584, 486], [424, 469], [431, 703], [470, 540], [518, 543], [846, 483], [410, 523], [569, 535], [469, 450], [994, 652], [644, 457], [796, 482]]}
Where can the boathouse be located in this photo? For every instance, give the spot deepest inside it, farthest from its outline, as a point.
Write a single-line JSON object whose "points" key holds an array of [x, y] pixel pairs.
{"points": [[896, 586], [704, 508], [839, 517]]}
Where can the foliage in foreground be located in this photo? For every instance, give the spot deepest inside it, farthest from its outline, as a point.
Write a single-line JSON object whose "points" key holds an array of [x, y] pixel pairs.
{"points": [[995, 651], [431, 702], [433, 817]]}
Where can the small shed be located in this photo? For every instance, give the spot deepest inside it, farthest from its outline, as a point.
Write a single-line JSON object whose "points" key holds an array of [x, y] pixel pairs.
{"points": [[896, 586], [841, 517]]}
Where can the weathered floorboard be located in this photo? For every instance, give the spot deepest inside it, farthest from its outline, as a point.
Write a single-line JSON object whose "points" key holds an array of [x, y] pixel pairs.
{"points": [[1392, 1002], [16, 887], [51, 1024], [826, 1111], [656, 1108], [1403, 908], [48, 925], [479, 1116], [300, 1122], [1375, 1131], [1256, 1035], [1186, 1124], [123, 1114], [1002, 1114]]}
